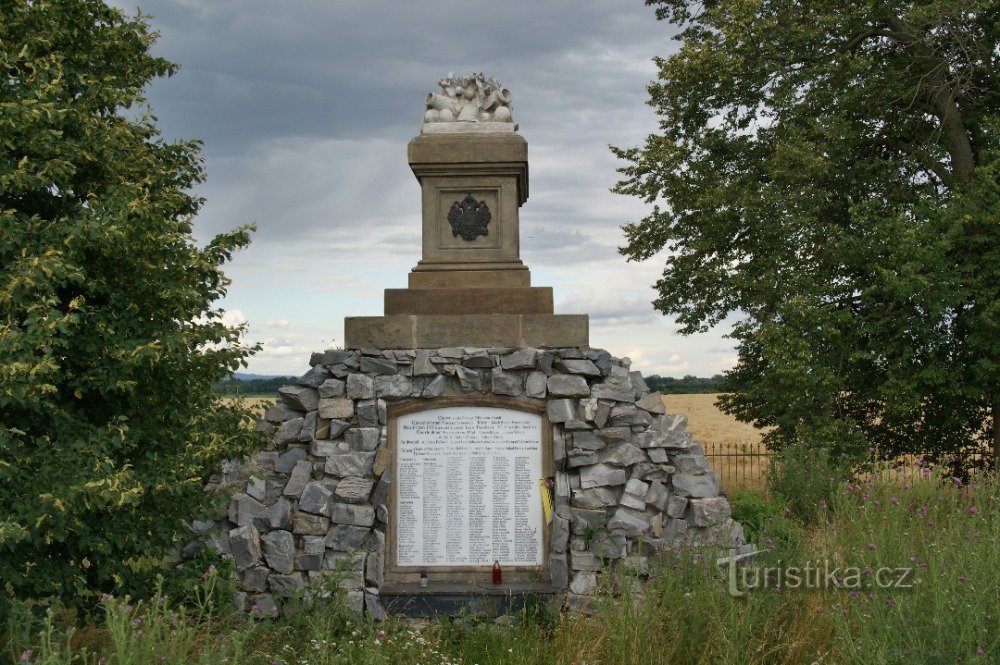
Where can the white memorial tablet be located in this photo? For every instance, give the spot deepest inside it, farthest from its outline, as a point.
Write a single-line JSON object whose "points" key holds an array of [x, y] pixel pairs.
{"points": [[467, 488]]}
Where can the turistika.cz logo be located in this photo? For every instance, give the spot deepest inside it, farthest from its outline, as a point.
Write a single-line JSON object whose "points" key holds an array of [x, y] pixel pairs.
{"points": [[814, 574]]}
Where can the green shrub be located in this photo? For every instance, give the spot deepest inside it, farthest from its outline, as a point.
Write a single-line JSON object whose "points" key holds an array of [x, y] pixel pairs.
{"points": [[753, 511], [805, 479]]}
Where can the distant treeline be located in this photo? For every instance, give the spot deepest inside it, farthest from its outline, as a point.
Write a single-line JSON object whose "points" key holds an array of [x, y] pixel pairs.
{"points": [[667, 385], [268, 386]]}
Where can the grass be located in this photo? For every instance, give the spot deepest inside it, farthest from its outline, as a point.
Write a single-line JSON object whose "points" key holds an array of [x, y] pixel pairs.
{"points": [[944, 612]]}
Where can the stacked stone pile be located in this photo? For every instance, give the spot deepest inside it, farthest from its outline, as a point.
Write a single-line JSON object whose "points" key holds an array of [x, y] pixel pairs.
{"points": [[630, 480]]}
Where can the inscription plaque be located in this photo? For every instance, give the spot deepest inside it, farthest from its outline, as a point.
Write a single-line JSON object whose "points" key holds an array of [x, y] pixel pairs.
{"points": [[467, 489]]}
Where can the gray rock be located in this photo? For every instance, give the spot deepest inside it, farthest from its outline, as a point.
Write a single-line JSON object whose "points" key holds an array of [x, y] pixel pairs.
{"points": [[676, 506], [301, 398], [587, 441], [623, 454], [636, 487], [254, 579], [276, 516], [626, 415], [339, 408], [615, 434], [310, 525], [560, 534], [435, 388], [330, 357], [584, 560], [505, 383], [350, 464], [362, 438], [279, 550], [612, 392], [393, 387], [676, 528], [567, 385], [335, 429], [316, 499], [332, 388], [558, 570], [657, 455], [280, 412], [346, 513], [698, 486], [422, 365], [287, 586], [469, 379], [535, 385], [377, 366], [346, 538], [520, 359], [629, 522], [321, 448], [581, 458], [632, 501], [243, 509], [256, 488], [602, 414], [710, 512], [308, 431], [652, 402], [354, 490], [314, 378], [288, 432], [306, 561], [558, 446], [691, 464], [373, 607], [560, 410], [608, 545], [584, 367], [544, 362], [601, 475], [373, 568], [298, 479], [479, 362], [451, 352], [360, 386], [594, 498], [370, 412], [583, 584], [245, 543], [262, 606], [657, 495], [585, 521], [639, 384]]}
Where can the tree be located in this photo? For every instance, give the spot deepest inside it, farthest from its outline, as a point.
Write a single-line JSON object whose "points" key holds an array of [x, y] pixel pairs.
{"points": [[825, 177], [109, 344]]}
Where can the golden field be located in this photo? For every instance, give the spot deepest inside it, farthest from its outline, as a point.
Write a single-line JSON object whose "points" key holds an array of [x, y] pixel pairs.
{"points": [[721, 435]]}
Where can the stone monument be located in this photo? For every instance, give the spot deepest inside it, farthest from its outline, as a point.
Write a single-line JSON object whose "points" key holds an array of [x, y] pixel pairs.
{"points": [[468, 450]]}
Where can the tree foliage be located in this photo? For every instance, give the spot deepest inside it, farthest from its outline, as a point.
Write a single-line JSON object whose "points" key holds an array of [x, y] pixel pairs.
{"points": [[825, 177], [109, 344]]}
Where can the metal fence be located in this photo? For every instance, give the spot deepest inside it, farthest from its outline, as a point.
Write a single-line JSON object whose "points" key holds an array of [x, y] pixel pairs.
{"points": [[738, 465], [743, 465]]}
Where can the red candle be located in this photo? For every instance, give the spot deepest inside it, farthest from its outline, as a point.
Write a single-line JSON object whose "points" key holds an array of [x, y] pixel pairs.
{"points": [[497, 575]]}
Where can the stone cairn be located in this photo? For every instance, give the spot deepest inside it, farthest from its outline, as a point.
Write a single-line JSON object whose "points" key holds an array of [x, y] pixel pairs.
{"points": [[630, 481], [315, 507]]}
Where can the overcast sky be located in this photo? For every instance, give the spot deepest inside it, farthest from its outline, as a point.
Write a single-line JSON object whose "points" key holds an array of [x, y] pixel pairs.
{"points": [[305, 108]]}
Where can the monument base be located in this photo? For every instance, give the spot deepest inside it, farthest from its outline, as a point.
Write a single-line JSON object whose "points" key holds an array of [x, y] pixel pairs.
{"points": [[455, 600], [321, 506]]}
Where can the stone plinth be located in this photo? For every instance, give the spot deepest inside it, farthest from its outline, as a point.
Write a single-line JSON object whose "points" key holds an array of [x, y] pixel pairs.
{"points": [[415, 331]]}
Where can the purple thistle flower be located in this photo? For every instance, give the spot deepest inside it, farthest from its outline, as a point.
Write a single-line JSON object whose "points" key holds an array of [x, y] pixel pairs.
{"points": [[973, 510], [871, 546]]}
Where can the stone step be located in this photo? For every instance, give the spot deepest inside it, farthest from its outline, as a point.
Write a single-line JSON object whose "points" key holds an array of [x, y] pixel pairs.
{"points": [[427, 331], [531, 300], [471, 279]]}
